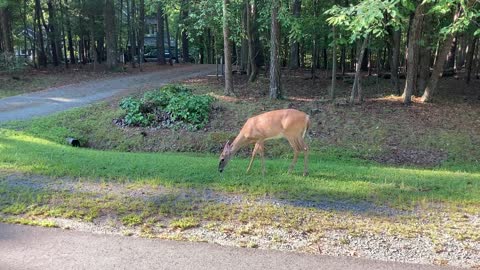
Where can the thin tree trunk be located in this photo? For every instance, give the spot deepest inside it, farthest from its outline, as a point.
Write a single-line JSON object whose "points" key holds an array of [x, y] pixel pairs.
{"points": [[253, 49], [244, 46], [110, 34], [227, 47], [69, 35], [357, 88], [294, 44], [52, 33], [470, 54], [168, 38], [334, 65], [425, 55], [412, 54], [141, 34], [396, 37], [160, 35], [185, 50], [63, 34], [131, 27], [42, 57], [275, 39], [25, 27]]}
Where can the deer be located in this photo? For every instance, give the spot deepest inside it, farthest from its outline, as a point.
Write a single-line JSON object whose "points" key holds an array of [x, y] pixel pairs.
{"points": [[288, 123]]}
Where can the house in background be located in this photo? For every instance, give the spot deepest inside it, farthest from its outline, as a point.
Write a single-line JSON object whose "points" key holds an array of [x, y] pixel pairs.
{"points": [[150, 41]]}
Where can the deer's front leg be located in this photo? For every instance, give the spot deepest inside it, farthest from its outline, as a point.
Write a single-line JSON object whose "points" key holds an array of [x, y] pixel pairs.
{"points": [[255, 149]]}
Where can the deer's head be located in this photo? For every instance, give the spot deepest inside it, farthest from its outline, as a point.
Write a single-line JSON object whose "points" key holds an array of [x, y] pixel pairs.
{"points": [[225, 156]]}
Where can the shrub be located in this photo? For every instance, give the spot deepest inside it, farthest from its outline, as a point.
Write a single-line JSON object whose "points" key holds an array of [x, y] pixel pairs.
{"points": [[172, 105]]}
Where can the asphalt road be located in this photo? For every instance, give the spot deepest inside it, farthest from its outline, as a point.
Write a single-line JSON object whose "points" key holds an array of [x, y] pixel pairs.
{"points": [[63, 98], [26, 247]]}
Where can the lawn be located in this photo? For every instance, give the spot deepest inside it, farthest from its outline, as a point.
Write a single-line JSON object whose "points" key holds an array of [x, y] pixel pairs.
{"points": [[333, 176]]}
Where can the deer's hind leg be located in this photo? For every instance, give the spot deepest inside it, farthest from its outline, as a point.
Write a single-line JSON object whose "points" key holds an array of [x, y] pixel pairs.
{"points": [[298, 145]]}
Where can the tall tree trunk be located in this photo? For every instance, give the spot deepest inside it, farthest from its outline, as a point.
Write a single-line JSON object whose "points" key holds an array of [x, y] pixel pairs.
{"points": [[53, 33], [412, 54], [334, 65], [6, 28], [110, 34], [396, 37], [227, 47], [131, 30], [160, 35], [244, 46], [42, 56], [294, 44], [275, 39], [168, 38], [185, 50], [471, 51], [439, 63], [450, 64], [64, 41], [357, 88], [141, 33], [69, 35], [253, 49], [425, 55], [25, 28]]}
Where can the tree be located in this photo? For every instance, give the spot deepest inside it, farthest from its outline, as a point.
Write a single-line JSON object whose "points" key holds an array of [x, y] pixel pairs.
{"points": [[412, 54], [110, 34], [160, 35], [6, 29], [184, 15], [227, 48], [275, 72], [141, 33], [294, 44]]}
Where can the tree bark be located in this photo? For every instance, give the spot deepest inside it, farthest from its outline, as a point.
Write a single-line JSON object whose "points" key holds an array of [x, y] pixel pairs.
{"points": [[131, 27], [167, 28], [334, 65], [42, 56], [412, 54], [439, 64], [141, 33], [294, 44], [244, 46], [275, 39], [185, 50], [6, 29], [396, 37], [160, 35], [357, 88], [227, 47], [253, 49], [425, 55], [69, 35], [53, 33], [470, 53], [110, 34]]}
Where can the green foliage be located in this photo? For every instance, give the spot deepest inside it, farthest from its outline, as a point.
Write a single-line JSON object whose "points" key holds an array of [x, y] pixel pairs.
{"points": [[10, 63], [166, 107]]}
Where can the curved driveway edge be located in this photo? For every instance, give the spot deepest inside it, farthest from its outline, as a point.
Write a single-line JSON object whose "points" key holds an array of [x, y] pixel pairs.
{"points": [[25, 247], [62, 98]]}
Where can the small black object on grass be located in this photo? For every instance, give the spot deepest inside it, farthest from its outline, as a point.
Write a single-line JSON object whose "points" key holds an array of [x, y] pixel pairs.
{"points": [[73, 142]]}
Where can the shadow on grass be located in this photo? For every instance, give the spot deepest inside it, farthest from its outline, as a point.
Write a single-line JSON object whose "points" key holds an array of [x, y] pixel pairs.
{"points": [[330, 179]]}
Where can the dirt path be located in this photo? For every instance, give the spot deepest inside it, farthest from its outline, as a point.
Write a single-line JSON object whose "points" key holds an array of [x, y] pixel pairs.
{"points": [[23, 247], [76, 95]]}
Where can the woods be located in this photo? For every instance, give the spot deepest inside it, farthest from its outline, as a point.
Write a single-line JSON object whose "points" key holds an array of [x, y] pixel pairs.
{"points": [[420, 41]]}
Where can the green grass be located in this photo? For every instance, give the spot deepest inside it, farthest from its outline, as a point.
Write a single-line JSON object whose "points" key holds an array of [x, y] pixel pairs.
{"points": [[332, 176]]}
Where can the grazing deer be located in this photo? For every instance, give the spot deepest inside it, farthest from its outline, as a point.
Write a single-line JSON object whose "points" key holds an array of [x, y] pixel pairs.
{"points": [[289, 123]]}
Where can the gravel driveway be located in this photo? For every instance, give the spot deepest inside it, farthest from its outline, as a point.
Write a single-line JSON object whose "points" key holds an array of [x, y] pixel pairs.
{"points": [[76, 95]]}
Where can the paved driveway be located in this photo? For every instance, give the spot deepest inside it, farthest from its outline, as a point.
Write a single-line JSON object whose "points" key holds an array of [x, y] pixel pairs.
{"points": [[25, 247], [76, 95]]}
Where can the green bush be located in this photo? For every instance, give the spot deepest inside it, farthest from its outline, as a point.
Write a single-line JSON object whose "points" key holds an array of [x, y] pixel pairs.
{"points": [[172, 105]]}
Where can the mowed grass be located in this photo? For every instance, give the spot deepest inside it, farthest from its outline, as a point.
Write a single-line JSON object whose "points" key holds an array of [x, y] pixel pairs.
{"points": [[333, 175]]}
